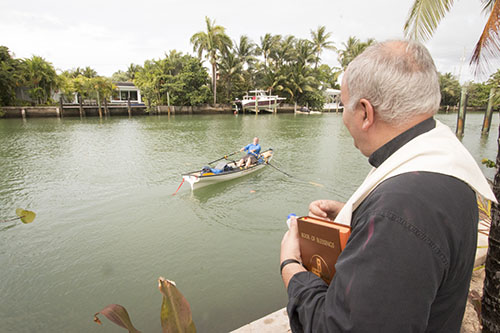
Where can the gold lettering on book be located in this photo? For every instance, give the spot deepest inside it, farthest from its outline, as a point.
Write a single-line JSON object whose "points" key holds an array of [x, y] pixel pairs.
{"points": [[318, 240], [324, 242]]}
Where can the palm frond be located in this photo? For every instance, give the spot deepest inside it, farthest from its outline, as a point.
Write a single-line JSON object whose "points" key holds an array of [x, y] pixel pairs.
{"points": [[424, 18], [488, 5], [488, 45]]}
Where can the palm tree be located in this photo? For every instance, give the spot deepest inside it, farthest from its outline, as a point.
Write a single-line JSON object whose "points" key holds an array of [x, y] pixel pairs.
{"points": [[89, 72], [304, 52], [267, 44], [450, 89], [320, 41], [41, 78], [213, 41], [422, 21], [283, 52], [425, 16], [352, 48], [9, 77], [132, 70], [246, 51], [231, 72]]}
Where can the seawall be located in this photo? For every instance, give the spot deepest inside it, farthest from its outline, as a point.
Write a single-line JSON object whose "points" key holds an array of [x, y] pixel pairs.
{"points": [[75, 110]]}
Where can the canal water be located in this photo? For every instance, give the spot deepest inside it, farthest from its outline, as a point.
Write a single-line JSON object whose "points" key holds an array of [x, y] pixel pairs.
{"points": [[108, 226]]}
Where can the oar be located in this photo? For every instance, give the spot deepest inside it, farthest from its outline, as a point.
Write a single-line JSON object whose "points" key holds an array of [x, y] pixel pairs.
{"points": [[224, 157], [305, 181]]}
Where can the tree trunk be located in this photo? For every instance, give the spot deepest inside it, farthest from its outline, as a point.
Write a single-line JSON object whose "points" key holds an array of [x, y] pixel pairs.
{"points": [[490, 307], [214, 81]]}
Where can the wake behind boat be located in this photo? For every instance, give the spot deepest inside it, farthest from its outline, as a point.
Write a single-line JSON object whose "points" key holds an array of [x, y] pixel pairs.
{"points": [[224, 171]]}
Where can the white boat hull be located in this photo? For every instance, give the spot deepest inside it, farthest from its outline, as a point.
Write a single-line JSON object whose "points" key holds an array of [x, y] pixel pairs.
{"points": [[258, 101], [197, 180]]}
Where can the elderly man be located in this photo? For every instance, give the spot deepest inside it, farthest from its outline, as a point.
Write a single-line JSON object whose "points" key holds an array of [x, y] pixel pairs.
{"points": [[408, 262], [252, 156]]}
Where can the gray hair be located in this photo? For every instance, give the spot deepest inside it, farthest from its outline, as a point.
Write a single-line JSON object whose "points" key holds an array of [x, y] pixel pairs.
{"points": [[399, 79]]}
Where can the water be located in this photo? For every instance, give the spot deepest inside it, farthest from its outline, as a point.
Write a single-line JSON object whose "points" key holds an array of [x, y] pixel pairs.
{"points": [[107, 225]]}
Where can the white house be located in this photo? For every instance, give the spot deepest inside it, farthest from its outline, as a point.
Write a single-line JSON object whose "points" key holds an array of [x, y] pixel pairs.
{"points": [[125, 91], [332, 100]]}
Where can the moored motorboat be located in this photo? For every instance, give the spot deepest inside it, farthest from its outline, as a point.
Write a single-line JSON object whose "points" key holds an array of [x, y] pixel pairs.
{"points": [[256, 101], [225, 171]]}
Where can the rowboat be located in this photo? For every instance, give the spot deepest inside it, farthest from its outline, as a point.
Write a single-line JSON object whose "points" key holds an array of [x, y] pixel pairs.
{"points": [[206, 176]]}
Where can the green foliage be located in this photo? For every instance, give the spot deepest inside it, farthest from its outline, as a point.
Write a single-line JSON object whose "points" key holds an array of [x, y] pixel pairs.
{"points": [[9, 77], [424, 18], [320, 42], [450, 89], [183, 77], [120, 76], [284, 65], [478, 94], [175, 315], [213, 43], [488, 163], [315, 99], [40, 77], [128, 76], [88, 88], [328, 76], [352, 48], [175, 310]]}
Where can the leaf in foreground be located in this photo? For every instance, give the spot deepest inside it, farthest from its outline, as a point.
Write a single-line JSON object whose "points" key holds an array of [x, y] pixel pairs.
{"points": [[175, 310], [118, 315], [26, 216]]}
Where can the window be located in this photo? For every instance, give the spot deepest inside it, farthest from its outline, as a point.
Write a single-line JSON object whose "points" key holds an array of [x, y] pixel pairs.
{"points": [[133, 95], [123, 95]]}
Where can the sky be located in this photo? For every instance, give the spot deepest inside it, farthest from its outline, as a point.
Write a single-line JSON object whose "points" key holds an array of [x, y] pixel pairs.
{"points": [[110, 35]]}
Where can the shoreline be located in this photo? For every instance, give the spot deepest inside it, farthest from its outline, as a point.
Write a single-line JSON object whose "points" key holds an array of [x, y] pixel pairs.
{"points": [[75, 110]]}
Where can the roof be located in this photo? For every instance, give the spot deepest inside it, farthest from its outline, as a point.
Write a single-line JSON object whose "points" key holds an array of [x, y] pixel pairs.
{"points": [[125, 84]]}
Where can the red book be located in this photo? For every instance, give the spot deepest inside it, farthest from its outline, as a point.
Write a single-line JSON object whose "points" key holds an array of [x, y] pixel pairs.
{"points": [[321, 242]]}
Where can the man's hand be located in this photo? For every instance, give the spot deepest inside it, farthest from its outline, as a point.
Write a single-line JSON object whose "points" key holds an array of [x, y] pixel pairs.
{"points": [[326, 209], [290, 250]]}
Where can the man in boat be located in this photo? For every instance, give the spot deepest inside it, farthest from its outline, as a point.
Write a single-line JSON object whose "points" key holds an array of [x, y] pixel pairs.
{"points": [[252, 156], [408, 262]]}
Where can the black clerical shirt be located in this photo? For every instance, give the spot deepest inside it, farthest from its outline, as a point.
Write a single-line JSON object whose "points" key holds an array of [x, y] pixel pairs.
{"points": [[408, 262]]}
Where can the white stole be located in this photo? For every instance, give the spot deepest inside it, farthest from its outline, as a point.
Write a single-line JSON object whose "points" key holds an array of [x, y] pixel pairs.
{"points": [[437, 150]]}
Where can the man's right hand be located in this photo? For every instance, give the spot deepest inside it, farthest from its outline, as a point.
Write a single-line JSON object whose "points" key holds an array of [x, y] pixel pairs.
{"points": [[325, 209]]}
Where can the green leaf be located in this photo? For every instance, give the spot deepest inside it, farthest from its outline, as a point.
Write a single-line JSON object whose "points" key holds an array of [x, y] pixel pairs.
{"points": [[488, 163], [118, 315], [175, 310], [26, 216]]}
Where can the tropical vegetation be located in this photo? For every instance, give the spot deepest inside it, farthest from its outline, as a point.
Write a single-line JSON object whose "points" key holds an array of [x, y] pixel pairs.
{"points": [[220, 71]]}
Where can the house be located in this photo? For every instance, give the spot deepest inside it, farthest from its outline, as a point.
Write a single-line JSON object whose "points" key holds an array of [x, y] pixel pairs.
{"points": [[333, 102], [125, 91]]}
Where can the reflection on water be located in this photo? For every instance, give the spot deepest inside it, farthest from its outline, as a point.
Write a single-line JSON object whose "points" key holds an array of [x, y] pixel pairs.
{"points": [[108, 225]]}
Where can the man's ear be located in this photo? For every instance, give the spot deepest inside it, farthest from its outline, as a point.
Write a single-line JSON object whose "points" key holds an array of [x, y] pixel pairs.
{"points": [[369, 114]]}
